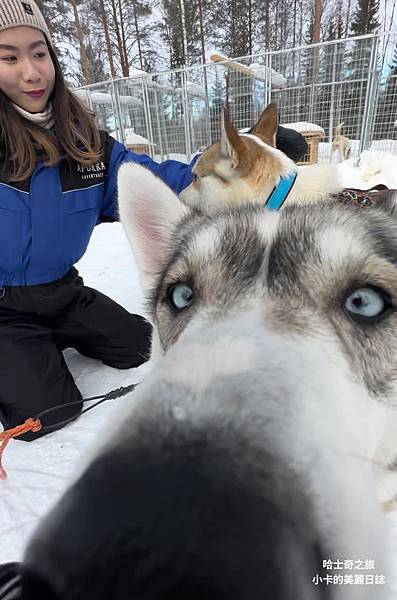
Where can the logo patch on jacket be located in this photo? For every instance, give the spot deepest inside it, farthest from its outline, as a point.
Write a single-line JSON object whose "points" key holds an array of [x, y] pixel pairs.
{"points": [[28, 9], [95, 171], [76, 177]]}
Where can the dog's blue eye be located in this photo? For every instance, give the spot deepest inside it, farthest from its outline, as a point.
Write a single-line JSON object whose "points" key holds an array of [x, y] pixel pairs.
{"points": [[367, 303], [180, 295]]}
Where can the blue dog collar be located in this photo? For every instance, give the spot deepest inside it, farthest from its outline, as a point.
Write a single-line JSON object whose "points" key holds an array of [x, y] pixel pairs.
{"points": [[280, 192]]}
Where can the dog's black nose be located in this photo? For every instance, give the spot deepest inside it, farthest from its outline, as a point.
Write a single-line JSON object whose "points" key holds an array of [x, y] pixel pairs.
{"points": [[177, 520], [14, 578], [35, 586]]}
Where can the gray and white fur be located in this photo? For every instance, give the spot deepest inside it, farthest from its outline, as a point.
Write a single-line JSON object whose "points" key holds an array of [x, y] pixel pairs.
{"points": [[260, 443]]}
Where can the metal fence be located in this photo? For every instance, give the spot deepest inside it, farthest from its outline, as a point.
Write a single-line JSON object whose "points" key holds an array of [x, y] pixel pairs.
{"points": [[173, 114]]}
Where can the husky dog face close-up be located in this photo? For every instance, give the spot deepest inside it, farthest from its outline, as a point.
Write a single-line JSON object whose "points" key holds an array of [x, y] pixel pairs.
{"points": [[263, 442]]}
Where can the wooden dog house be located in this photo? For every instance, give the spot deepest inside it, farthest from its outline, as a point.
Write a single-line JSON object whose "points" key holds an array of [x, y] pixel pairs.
{"points": [[313, 139], [313, 134]]}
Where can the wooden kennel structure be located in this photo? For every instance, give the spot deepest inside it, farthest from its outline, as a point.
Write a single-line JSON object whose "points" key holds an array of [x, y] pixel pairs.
{"points": [[313, 139]]}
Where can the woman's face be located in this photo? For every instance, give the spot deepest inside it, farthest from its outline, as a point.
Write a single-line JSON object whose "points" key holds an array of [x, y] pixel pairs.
{"points": [[27, 73]]}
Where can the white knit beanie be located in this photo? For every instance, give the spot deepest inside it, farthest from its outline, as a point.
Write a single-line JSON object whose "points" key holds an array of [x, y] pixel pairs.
{"points": [[15, 13]]}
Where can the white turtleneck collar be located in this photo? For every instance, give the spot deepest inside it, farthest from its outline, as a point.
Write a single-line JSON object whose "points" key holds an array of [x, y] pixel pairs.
{"points": [[45, 118]]}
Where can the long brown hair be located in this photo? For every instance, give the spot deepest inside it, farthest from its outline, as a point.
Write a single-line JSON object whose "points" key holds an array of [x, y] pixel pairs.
{"points": [[75, 133]]}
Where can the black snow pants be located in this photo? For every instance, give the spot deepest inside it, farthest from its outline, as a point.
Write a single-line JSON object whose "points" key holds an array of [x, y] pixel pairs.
{"points": [[38, 322]]}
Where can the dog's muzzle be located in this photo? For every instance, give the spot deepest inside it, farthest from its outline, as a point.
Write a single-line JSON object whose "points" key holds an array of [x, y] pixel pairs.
{"points": [[207, 490]]}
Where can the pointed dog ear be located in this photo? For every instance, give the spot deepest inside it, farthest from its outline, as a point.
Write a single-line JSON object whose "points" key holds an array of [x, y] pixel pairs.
{"points": [[149, 212], [266, 127], [232, 145], [385, 199]]}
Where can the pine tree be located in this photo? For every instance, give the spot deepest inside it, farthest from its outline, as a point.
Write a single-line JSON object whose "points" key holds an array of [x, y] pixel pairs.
{"points": [[237, 25], [266, 25], [59, 19], [57, 16], [185, 28], [200, 5], [139, 9], [97, 61], [237, 42], [95, 41], [122, 26], [80, 37], [365, 17], [192, 28], [105, 27], [364, 21], [171, 32]]}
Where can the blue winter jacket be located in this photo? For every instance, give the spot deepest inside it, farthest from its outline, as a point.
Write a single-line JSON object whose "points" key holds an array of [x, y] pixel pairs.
{"points": [[46, 221]]}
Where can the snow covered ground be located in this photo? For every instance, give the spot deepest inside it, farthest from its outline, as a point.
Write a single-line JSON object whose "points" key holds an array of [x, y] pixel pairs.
{"points": [[40, 471], [375, 167]]}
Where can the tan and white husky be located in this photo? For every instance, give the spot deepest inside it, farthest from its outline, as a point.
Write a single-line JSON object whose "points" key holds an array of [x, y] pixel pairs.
{"points": [[248, 167]]}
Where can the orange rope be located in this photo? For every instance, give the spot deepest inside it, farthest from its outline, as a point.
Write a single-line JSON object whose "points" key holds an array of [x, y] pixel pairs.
{"points": [[5, 436]]}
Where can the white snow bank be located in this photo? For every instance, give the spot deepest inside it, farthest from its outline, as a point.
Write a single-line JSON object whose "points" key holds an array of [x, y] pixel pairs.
{"points": [[374, 168]]}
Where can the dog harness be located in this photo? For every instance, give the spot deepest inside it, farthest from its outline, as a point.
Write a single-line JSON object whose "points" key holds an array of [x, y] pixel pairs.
{"points": [[281, 192], [364, 198]]}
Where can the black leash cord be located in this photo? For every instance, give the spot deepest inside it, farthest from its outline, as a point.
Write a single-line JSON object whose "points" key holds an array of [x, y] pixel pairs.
{"points": [[112, 395]]}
